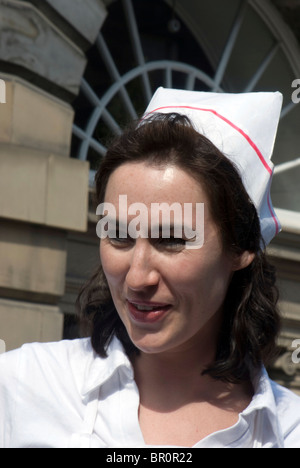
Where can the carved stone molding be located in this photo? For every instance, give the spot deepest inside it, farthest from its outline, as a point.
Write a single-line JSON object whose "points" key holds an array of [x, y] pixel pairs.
{"points": [[29, 40], [86, 17]]}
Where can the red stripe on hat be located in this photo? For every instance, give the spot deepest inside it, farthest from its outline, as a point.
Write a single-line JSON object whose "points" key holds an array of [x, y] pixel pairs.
{"points": [[251, 143]]}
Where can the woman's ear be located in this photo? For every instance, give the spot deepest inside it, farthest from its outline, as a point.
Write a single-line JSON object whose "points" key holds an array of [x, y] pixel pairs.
{"points": [[243, 260]]}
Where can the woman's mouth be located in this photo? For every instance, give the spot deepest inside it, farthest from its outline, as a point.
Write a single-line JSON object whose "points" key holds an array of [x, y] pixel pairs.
{"points": [[147, 312]]}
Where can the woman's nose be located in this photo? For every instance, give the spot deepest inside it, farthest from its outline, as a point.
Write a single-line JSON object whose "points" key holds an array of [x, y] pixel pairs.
{"points": [[143, 271]]}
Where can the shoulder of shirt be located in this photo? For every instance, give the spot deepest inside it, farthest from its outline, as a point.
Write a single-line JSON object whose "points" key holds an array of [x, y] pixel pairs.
{"points": [[64, 362], [58, 360], [285, 399], [288, 409], [53, 351]]}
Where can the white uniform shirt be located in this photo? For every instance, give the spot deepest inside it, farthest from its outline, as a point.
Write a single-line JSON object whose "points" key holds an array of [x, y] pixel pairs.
{"points": [[62, 394]]}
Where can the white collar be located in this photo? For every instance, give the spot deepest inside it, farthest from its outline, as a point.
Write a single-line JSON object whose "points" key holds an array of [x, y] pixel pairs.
{"points": [[99, 370], [263, 394], [264, 399]]}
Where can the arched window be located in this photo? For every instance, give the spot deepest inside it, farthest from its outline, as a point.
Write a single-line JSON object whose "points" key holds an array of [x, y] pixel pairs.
{"points": [[232, 46]]}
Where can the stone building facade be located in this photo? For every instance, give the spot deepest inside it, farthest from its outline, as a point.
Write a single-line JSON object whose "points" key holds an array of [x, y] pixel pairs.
{"points": [[63, 76]]}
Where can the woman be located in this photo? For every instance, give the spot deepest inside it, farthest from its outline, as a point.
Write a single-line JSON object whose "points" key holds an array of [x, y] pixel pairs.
{"points": [[181, 328]]}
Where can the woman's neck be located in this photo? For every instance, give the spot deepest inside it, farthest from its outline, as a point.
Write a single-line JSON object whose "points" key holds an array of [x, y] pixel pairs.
{"points": [[166, 387], [172, 379], [173, 376]]}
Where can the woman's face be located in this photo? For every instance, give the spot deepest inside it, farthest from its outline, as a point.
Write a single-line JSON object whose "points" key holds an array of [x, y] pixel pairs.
{"points": [[168, 296]]}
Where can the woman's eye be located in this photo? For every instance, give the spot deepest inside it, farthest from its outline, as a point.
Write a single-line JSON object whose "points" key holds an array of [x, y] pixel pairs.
{"points": [[123, 240], [119, 238], [172, 242]]}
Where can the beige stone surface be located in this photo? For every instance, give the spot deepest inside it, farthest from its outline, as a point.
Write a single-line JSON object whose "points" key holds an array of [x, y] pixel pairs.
{"points": [[24, 322], [33, 261], [43, 188], [34, 119], [67, 193], [23, 178], [38, 184]]}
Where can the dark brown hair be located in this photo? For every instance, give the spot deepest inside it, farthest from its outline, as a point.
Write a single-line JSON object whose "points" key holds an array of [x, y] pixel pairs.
{"points": [[247, 338]]}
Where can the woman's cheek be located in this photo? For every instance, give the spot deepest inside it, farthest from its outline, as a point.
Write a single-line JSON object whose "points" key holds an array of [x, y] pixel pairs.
{"points": [[110, 261]]}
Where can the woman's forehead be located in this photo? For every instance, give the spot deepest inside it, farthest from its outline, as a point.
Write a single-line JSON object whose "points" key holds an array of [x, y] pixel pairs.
{"points": [[168, 183]]}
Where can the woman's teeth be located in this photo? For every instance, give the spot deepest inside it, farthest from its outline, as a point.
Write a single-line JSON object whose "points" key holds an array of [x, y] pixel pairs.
{"points": [[145, 308]]}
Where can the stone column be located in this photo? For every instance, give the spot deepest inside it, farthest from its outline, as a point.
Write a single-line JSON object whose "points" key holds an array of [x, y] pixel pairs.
{"points": [[43, 191]]}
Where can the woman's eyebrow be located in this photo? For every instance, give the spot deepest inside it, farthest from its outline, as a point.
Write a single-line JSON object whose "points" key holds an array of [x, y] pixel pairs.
{"points": [[120, 226], [165, 230], [113, 224]]}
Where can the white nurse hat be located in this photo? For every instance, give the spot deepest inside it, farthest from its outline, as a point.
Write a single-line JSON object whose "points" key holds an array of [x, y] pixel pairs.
{"points": [[243, 127]]}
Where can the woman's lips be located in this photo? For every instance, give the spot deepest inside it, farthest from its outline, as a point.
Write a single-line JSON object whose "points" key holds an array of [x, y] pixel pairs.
{"points": [[147, 312]]}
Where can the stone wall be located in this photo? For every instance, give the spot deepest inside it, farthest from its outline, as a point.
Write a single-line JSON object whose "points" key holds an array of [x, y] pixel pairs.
{"points": [[43, 192]]}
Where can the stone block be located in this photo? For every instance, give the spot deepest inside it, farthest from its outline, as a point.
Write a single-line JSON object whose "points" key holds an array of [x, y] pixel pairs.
{"points": [[43, 188], [33, 261], [23, 322], [86, 17], [67, 193], [23, 177], [34, 119], [30, 40]]}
